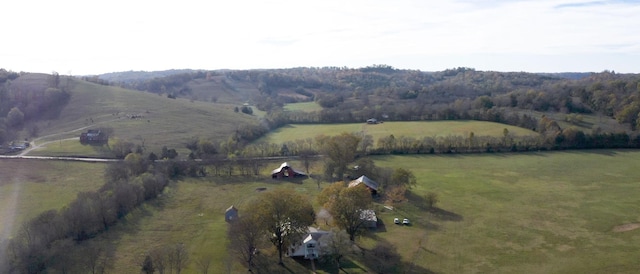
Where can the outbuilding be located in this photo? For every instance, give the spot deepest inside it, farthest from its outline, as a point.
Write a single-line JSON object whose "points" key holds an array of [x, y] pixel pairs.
{"points": [[231, 214], [286, 171]]}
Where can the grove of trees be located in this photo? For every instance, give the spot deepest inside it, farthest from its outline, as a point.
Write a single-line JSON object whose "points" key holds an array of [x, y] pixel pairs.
{"points": [[43, 243]]}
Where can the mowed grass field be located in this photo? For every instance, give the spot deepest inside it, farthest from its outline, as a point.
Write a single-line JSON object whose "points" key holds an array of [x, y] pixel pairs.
{"points": [[523, 213], [418, 129], [550, 212], [30, 187]]}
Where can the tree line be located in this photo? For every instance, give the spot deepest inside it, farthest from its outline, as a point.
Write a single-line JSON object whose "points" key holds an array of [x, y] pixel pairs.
{"points": [[54, 241]]}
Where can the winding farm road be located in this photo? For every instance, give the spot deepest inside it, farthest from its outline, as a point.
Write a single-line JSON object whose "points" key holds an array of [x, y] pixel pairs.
{"points": [[35, 144]]}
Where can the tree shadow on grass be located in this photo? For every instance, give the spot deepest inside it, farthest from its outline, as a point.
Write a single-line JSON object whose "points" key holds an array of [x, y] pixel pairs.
{"points": [[381, 226], [384, 258], [439, 213], [268, 263], [445, 215], [347, 265]]}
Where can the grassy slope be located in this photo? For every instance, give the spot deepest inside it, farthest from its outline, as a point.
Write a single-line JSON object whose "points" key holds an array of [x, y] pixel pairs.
{"points": [[500, 213], [305, 107], [222, 90], [29, 187], [409, 129], [165, 121]]}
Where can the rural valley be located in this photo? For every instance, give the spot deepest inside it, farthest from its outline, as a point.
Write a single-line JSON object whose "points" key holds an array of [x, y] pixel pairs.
{"points": [[325, 170]]}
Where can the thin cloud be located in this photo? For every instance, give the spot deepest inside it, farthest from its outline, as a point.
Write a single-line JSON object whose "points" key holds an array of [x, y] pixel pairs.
{"points": [[596, 3], [426, 35]]}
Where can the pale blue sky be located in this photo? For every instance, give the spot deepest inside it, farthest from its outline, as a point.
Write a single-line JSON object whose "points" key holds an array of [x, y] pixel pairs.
{"points": [[92, 37]]}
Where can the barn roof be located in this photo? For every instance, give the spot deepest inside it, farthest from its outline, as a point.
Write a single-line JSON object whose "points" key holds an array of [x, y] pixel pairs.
{"points": [[231, 208], [366, 181], [286, 165]]}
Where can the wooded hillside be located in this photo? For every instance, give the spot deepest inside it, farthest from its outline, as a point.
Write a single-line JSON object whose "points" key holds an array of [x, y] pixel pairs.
{"points": [[387, 93]]}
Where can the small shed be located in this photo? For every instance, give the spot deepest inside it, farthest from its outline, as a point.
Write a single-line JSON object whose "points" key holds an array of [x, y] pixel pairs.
{"points": [[372, 121], [368, 216], [231, 214]]}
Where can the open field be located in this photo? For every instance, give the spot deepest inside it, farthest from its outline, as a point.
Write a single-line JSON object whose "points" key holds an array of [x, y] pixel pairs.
{"points": [[30, 187], [551, 212], [527, 213], [69, 147], [161, 121], [408, 129], [304, 107], [192, 212]]}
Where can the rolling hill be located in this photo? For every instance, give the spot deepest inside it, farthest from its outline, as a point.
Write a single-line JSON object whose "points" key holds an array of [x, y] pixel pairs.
{"points": [[142, 117]]}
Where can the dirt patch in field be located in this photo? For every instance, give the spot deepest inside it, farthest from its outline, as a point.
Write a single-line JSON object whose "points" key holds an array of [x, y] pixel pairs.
{"points": [[626, 227], [564, 248]]}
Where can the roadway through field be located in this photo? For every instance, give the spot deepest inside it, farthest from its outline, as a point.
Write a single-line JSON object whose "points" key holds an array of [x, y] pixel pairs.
{"points": [[34, 145]]}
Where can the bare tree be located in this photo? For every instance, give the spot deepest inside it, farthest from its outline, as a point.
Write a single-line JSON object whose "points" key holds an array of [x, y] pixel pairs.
{"points": [[335, 246], [245, 238], [160, 260], [94, 260], [204, 262], [180, 257]]}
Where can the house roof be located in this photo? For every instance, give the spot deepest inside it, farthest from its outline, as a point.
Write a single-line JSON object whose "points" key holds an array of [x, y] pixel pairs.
{"points": [[286, 165], [364, 180], [231, 208], [315, 236]]}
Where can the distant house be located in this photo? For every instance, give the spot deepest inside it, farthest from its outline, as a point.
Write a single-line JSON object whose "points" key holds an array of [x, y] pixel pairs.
{"points": [[94, 137], [310, 246], [372, 121], [286, 171], [370, 184], [231, 214]]}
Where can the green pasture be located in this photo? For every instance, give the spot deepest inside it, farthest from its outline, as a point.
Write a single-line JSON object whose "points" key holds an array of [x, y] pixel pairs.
{"points": [[551, 212], [160, 121], [69, 147], [416, 129], [528, 213], [30, 187], [304, 107], [191, 211]]}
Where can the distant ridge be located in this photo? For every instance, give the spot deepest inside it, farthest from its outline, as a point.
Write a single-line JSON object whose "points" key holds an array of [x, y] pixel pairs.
{"points": [[133, 76], [568, 75]]}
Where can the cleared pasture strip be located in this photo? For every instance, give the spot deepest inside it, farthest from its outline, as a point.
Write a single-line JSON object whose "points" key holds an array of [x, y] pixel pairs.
{"points": [[304, 107], [409, 129]]}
